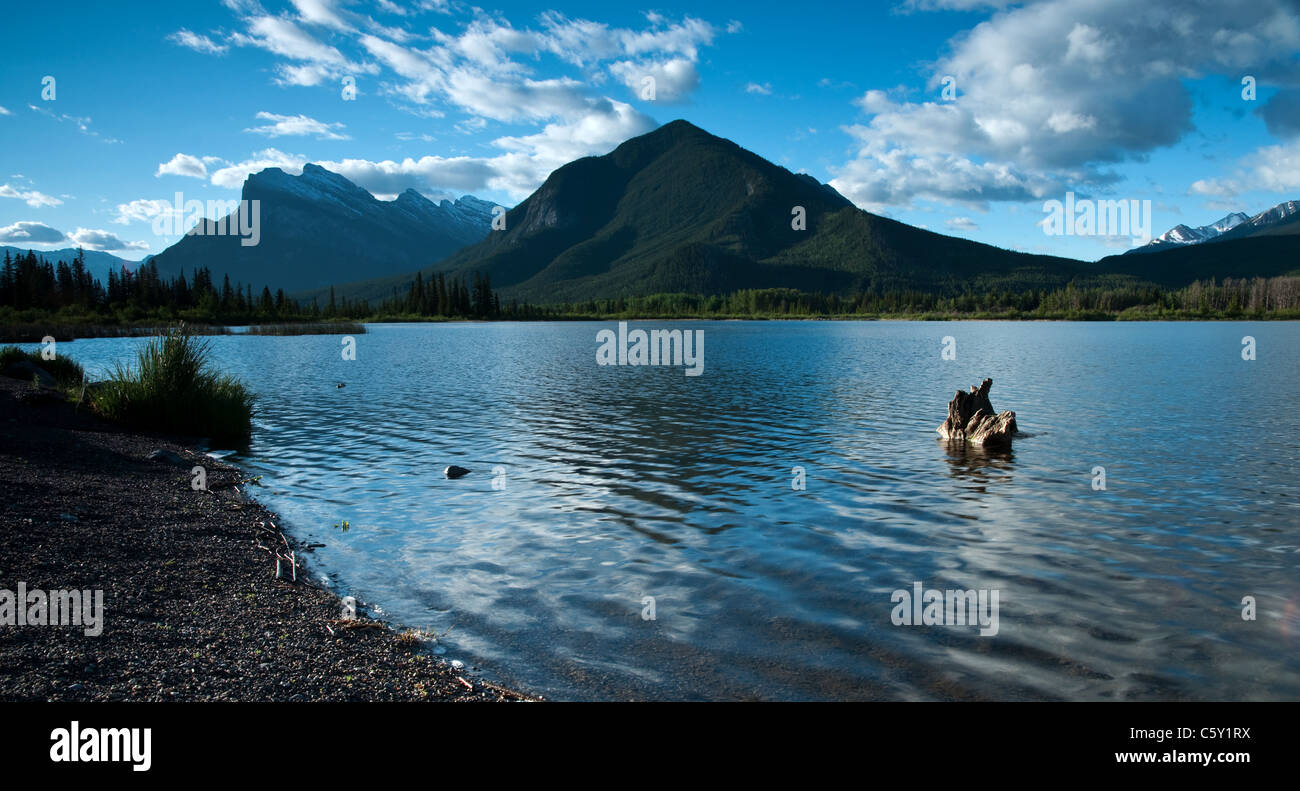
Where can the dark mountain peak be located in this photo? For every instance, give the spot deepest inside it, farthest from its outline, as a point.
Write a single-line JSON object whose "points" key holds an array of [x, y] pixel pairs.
{"points": [[412, 196], [681, 129], [314, 183], [682, 125], [1281, 211], [473, 203], [319, 228]]}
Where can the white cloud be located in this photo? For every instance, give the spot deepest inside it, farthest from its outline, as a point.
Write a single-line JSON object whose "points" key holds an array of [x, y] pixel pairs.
{"points": [[321, 12], [485, 71], [95, 239], [183, 165], [1269, 168], [30, 233], [5, 111], [523, 165], [232, 176], [1214, 187], [765, 89], [315, 62], [674, 79], [142, 210], [954, 5], [32, 198], [961, 224], [196, 42], [1054, 94], [285, 125]]}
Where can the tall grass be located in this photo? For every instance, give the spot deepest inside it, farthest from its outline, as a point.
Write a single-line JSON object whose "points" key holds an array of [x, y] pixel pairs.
{"points": [[66, 372], [173, 389]]}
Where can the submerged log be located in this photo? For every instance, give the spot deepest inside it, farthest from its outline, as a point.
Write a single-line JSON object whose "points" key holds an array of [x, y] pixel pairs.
{"points": [[971, 418]]}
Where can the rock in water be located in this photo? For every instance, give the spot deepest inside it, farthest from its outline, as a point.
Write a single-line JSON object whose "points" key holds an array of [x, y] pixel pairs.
{"points": [[971, 418], [455, 472]]}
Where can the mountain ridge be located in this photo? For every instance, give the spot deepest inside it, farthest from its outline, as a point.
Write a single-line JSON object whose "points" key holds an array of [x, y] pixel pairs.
{"points": [[681, 210], [1283, 219], [319, 228]]}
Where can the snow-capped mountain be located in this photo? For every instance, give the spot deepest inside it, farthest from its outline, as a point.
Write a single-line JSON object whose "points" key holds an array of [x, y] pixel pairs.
{"points": [[1283, 218], [1281, 214], [1182, 235], [318, 228]]}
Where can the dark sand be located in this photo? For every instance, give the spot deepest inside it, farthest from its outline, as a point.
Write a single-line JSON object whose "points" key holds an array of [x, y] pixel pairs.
{"points": [[192, 608]]}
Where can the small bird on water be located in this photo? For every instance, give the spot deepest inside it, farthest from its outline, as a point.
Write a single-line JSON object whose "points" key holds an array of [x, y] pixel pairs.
{"points": [[340, 384], [455, 472]]}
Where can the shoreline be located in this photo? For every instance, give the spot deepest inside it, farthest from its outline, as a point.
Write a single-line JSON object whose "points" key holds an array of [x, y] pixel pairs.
{"points": [[32, 334], [192, 608]]}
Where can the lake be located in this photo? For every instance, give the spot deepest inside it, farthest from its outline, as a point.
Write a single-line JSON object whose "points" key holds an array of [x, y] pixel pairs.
{"points": [[634, 532]]}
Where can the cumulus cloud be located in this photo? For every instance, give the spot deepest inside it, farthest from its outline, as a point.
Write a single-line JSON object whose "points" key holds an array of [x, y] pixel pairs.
{"points": [[183, 165], [142, 210], [30, 233], [232, 175], [1053, 94], [283, 125], [1273, 168], [961, 224], [765, 89], [523, 164], [484, 70], [673, 80], [1281, 113], [95, 239], [32, 198]]}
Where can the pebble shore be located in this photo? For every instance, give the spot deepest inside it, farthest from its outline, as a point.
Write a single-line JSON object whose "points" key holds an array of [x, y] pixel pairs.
{"points": [[193, 610]]}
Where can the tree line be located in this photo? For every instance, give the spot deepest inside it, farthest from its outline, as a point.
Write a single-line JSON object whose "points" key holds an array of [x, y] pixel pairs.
{"points": [[33, 289]]}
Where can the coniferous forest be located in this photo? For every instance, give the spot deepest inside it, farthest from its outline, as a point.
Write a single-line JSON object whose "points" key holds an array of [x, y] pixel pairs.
{"points": [[36, 293]]}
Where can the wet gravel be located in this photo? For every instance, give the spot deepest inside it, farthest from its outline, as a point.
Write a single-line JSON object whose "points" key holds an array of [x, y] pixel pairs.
{"points": [[192, 606]]}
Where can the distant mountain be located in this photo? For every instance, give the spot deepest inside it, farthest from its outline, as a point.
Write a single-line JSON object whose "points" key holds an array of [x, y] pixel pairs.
{"points": [[1181, 234], [98, 263], [319, 229], [1262, 255], [680, 210], [1281, 220]]}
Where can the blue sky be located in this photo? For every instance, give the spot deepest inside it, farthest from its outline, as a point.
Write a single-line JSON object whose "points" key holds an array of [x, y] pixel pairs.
{"points": [[1107, 99]]}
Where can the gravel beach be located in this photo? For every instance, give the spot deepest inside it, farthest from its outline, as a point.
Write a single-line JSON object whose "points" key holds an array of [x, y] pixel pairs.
{"points": [[192, 607]]}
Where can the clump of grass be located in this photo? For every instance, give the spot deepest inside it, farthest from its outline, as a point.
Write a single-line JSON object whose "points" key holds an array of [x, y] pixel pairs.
{"points": [[67, 373], [173, 389]]}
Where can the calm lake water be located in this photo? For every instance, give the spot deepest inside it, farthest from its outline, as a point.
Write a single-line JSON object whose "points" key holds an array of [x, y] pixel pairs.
{"points": [[622, 483]]}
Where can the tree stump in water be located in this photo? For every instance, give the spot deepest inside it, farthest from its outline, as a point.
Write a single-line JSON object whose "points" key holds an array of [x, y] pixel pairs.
{"points": [[971, 418]]}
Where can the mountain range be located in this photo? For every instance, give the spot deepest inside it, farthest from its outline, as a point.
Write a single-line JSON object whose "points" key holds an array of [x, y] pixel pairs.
{"points": [[1282, 219], [1182, 234], [681, 210], [320, 229], [673, 210]]}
